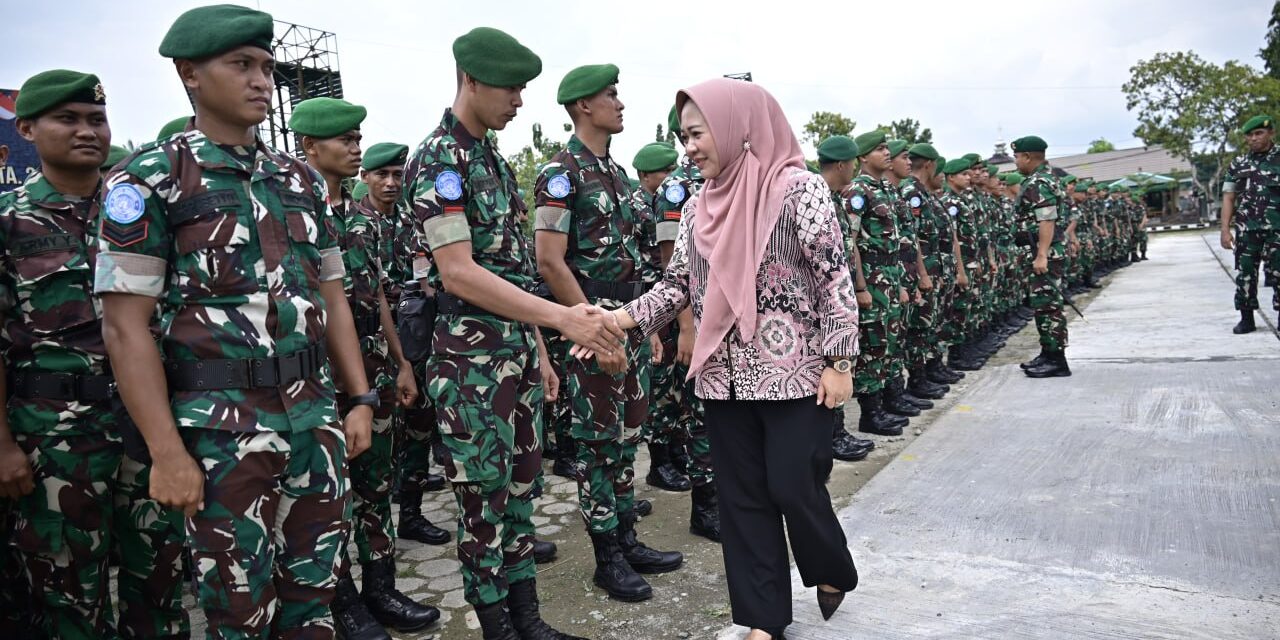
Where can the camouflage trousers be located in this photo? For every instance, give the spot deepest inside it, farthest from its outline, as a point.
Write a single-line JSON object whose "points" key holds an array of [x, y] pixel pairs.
{"points": [[489, 410], [268, 544], [560, 418], [879, 330], [666, 391], [1046, 300], [1251, 253], [608, 413], [90, 498], [15, 594], [371, 483], [694, 430]]}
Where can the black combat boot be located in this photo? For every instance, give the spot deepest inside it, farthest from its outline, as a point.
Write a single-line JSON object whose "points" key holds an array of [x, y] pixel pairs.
{"points": [[613, 574], [704, 516], [679, 456], [961, 358], [642, 558], [415, 526], [1090, 280], [662, 473], [844, 446], [874, 419], [388, 605], [939, 373], [643, 508], [1036, 361], [543, 551], [1054, 366], [921, 386], [893, 401], [1246, 324], [351, 619], [566, 453], [522, 600], [495, 622]]}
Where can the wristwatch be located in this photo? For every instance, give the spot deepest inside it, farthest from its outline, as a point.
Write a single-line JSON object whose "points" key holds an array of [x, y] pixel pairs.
{"points": [[369, 399], [840, 363]]}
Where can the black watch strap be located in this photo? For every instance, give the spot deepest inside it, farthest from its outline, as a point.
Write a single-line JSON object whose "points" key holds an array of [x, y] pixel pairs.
{"points": [[368, 399]]}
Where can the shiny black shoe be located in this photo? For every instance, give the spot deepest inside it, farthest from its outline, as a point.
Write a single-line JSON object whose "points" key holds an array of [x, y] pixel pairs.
{"points": [[351, 618], [640, 557], [433, 482], [388, 605], [613, 574], [893, 402], [415, 526], [704, 514], [1055, 366], [1246, 324], [662, 473], [643, 508], [874, 419], [846, 448], [543, 551], [522, 602], [495, 622], [921, 387], [563, 467]]}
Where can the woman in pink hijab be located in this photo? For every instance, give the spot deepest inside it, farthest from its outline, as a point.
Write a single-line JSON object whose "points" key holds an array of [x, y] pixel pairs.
{"points": [[759, 257]]}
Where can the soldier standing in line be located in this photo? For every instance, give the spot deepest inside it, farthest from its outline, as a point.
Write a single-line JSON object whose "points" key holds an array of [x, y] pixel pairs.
{"points": [[1042, 207], [932, 245], [962, 317]]}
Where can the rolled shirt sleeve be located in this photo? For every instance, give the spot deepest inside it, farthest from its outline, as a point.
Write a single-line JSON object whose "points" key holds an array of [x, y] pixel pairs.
{"points": [[133, 237]]}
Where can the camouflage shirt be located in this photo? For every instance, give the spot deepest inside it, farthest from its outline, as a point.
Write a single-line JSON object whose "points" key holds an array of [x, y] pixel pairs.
{"points": [[589, 199], [51, 320], [360, 237], [679, 186], [850, 226], [962, 216], [398, 248], [647, 235], [1255, 179], [879, 243], [460, 189], [235, 242], [925, 211], [906, 232], [1041, 199]]}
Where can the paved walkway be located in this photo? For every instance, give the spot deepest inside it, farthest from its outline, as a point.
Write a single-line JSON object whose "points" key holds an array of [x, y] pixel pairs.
{"points": [[1137, 499]]}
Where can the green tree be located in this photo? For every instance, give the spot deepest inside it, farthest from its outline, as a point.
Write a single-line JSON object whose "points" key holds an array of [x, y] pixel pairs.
{"points": [[1270, 52], [1194, 108], [824, 124], [1101, 145], [907, 129]]}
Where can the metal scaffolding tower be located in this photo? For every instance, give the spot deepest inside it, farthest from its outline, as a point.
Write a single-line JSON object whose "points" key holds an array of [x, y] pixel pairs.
{"points": [[306, 67]]}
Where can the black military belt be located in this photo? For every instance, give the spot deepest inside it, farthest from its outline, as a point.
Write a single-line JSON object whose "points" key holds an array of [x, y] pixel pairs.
{"points": [[246, 373], [55, 385], [452, 305], [367, 324], [624, 291], [1025, 238]]}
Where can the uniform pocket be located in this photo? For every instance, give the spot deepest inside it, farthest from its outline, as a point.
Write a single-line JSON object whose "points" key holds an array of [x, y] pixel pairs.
{"points": [[475, 450], [53, 291], [212, 260]]}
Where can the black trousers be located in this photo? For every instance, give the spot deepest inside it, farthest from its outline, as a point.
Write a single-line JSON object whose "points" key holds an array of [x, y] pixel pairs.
{"points": [[772, 459]]}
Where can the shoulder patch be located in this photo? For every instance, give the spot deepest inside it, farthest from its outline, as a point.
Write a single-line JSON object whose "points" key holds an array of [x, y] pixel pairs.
{"points": [[449, 185], [675, 193], [915, 202], [558, 186], [953, 210], [124, 203], [857, 202]]}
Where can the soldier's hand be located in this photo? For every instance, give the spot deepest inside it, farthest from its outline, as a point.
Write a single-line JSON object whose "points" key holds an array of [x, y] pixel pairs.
{"points": [[593, 328], [684, 347], [406, 386], [962, 280], [550, 381], [1228, 240], [864, 299], [903, 296], [1041, 265], [177, 482], [614, 364], [358, 427], [926, 283], [655, 344], [16, 479]]}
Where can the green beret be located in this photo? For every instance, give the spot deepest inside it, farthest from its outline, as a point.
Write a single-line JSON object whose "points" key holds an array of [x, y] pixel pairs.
{"points": [[837, 149], [897, 147], [1102, 188], [868, 142], [208, 31], [940, 162], [326, 117], [114, 156], [48, 89], [1029, 143], [1013, 179], [383, 154], [359, 191], [495, 58], [1068, 179], [1257, 122], [1083, 184], [991, 171], [956, 166], [655, 156], [924, 150], [586, 81], [973, 158], [1120, 189], [673, 120], [176, 125]]}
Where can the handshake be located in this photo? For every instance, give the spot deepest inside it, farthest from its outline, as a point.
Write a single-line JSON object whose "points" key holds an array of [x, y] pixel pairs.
{"points": [[596, 333]]}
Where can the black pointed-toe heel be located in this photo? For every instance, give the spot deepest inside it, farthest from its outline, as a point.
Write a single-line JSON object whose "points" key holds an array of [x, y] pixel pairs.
{"points": [[829, 602]]}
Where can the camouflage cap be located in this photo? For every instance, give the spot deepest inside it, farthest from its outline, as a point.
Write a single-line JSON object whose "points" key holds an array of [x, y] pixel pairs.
{"points": [[326, 117], [114, 156], [208, 31], [495, 58], [586, 81], [958, 165], [1029, 144], [924, 150], [868, 142], [176, 125], [837, 149], [48, 89], [655, 156], [383, 154], [897, 147], [1257, 122]]}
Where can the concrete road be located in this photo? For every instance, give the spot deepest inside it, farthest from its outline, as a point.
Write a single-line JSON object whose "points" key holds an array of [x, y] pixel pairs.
{"points": [[1136, 499]]}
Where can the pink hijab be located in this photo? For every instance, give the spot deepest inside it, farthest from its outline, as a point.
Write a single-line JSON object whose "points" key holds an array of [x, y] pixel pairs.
{"points": [[737, 210]]}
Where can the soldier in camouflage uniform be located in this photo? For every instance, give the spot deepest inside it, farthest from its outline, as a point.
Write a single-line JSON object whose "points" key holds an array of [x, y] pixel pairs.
{"points": [[944, 273], [586, 232], [1042, 219], [237, 243], [80, 498], [960, 330], [1251, 208], [934, 245], [489, 363], [879, 245], [329, 131]]}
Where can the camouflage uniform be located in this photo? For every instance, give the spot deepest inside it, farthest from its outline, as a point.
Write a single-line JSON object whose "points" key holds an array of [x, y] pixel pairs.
{"points": [[588, 198], [962, 315], [650, 274], [1041, 199], [1255, 179], [483, 373], [89, 497], [874, 222], [923, 328], [187, 228]]}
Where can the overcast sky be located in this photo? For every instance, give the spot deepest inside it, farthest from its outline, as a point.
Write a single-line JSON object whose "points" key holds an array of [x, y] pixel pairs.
{"points": [[974, 72]]}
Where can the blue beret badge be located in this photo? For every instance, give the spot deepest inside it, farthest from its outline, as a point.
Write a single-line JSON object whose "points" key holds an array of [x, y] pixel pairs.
{"points": [[915, 202], [857, 202], [449, 185], [675, 194], [558, 186], [125, 203]]}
